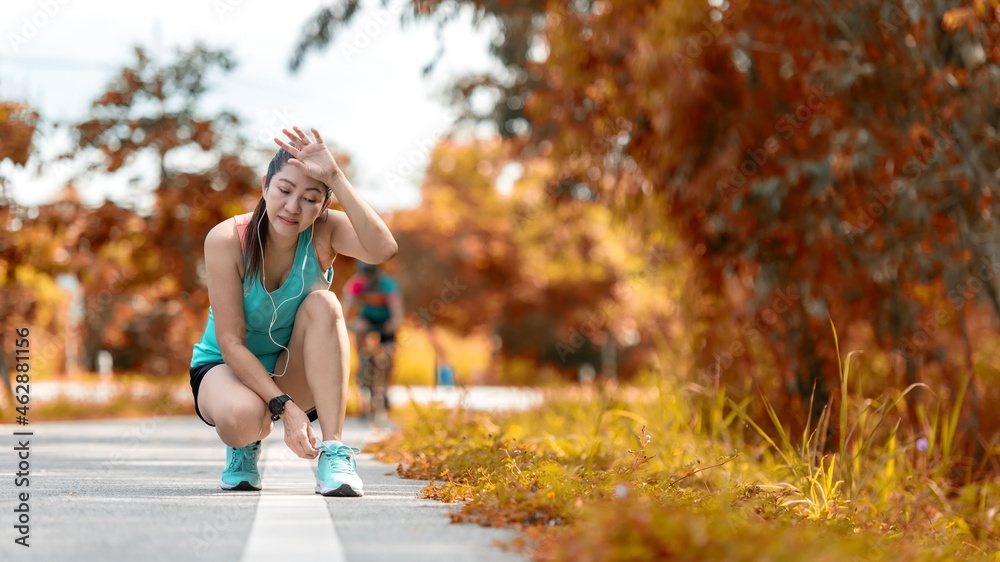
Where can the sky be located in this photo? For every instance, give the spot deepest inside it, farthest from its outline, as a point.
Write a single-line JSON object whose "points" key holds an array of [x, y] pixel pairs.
{"points": [[364, 92]]}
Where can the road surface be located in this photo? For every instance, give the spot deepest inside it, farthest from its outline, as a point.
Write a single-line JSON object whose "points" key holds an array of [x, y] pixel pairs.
{"points": [[147, 489]]}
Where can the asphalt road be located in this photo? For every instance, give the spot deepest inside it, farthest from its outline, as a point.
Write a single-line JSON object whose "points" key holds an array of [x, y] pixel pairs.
{"points": [[148, 489]]}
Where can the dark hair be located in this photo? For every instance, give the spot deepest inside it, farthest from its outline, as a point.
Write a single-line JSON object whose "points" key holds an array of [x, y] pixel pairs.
{"points": [[257, 232]]}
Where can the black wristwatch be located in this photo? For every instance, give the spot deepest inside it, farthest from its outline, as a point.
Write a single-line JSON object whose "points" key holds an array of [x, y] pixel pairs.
{"points": [[277, 406]]}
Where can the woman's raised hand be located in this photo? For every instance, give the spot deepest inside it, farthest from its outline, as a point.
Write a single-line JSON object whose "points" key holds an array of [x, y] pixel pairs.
{"points": [[313, 158]]}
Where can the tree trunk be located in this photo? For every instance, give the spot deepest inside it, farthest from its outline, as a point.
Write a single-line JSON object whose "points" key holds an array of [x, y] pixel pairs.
{"points": [[4, 369], [609, 358], [809, 376], [96, 323], [972, 428], [914, 398]]}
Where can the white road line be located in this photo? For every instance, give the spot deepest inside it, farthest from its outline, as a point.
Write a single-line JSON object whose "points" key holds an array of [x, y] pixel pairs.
{"points": [[292, 519]]}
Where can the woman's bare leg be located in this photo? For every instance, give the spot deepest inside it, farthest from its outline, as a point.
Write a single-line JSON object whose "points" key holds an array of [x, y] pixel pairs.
{"points": [[318, 362], [239, 415]]}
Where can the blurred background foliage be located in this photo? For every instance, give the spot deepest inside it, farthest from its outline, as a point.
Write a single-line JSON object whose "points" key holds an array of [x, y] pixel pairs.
{"points": [[694, 189]]}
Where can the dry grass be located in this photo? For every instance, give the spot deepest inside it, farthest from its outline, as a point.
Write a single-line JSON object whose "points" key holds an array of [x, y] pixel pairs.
{"points": [[670, 472]]}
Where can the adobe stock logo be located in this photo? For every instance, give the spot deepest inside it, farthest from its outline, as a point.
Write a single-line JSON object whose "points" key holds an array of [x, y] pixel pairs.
{"points": [[930, 158], [31, 25], [451, 292], [785, 127], [224, 7], [420, 155], [697, 42], [759, 325], [963, 291], [281, 118], [372, 27]]}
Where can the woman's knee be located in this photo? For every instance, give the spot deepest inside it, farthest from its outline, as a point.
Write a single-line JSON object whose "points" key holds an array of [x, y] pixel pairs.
{"points": [[243, 420], [322, 306]]}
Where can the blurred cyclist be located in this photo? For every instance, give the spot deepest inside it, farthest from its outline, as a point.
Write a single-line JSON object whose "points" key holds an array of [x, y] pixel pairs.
{"points": [[381, 310]]}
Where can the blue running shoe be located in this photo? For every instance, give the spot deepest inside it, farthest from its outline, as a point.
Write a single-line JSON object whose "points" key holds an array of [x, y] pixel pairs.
{"points": [[241, 468], [337, 474]]}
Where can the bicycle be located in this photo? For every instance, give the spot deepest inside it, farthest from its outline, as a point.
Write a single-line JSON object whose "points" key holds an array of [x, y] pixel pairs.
{"points": [[373, 377]]}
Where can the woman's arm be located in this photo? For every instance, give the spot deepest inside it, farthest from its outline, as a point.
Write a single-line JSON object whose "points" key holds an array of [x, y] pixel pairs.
{"points": [[225, 292], [358, 231]]}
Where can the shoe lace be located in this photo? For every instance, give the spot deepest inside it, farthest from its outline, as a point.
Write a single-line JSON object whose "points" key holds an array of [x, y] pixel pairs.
{"points": [[340, 459], [245, 458]]}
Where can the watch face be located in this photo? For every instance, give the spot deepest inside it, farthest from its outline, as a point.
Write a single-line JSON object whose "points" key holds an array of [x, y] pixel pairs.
{"points": [[275, 405]]}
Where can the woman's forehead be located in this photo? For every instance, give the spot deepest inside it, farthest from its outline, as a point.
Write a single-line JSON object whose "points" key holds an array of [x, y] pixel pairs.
{"points": [[298, 178]]}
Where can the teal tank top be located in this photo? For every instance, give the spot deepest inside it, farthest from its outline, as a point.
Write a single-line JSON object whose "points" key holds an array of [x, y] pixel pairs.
{"points": [[259, 308]]}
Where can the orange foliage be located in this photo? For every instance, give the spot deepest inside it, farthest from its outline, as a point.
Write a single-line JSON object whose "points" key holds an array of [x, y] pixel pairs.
{"points": [[17, 127]]}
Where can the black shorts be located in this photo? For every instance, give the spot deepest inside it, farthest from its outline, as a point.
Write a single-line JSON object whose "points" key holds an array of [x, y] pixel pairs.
{"points": [[199, 372], [379, 326]]}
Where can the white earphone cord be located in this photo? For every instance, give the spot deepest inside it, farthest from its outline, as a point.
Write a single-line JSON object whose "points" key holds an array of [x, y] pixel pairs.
{"points": [[263, 280]]}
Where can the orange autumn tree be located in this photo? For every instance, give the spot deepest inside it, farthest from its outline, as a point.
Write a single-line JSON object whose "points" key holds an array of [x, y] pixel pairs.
{"points": [[823, 163], [557, 283], [144, 295], [32, 255], [17, 274], [828, 161], [17, 127]]}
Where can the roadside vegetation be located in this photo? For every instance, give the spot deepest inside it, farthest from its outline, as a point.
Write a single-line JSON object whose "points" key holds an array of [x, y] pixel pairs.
{"points": [[668, 470]]}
